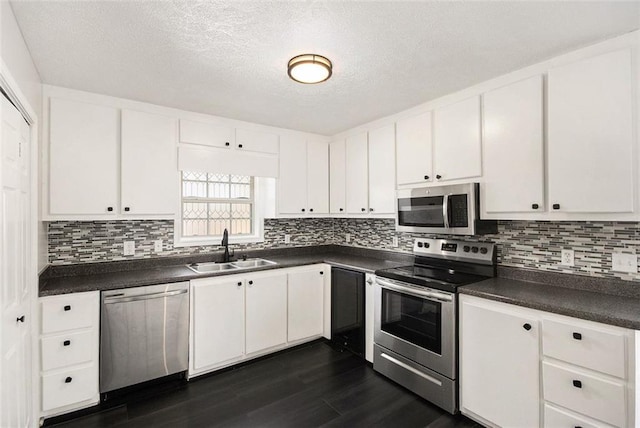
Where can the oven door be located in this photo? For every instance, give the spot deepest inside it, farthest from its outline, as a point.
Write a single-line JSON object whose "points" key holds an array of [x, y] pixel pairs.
{"points": [[418, 323]]}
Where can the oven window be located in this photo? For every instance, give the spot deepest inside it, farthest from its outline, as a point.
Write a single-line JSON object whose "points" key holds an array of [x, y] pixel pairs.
{"points": [[413, 319], [421, 212]]}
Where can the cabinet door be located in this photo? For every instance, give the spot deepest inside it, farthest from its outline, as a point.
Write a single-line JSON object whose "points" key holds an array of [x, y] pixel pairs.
{"points": [[217, 321], [207, 134], [591, 135], [292, 181], [317, 177], [457, 140], [337, 177], [149, 165], [499, 363], [357, 175], [255, 141], [513, 148], [369, 305], [306, 304], [414, 148], [266, 312], [382, 173], [83, 158]]}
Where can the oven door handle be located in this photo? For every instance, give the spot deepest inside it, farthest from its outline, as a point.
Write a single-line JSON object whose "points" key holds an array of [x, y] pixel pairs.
{"points": [[445, 210], [445, 297]]}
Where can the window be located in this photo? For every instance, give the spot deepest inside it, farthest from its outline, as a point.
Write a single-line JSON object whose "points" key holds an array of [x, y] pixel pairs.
{"points": [[213, 202]]}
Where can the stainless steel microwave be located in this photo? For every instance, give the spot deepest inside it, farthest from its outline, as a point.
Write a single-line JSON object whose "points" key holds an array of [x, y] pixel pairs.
{"points": [[446, 210]]}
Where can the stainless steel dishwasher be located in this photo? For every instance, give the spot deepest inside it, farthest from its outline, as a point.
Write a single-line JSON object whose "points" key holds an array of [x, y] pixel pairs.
{"points": [[144, 334]]}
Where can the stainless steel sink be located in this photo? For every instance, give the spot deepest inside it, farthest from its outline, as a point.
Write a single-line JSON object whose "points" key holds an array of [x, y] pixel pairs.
{"points": [[252, 263], [220, 267]]}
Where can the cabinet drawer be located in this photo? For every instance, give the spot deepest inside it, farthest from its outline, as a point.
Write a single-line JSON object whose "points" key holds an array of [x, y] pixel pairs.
{"points": [[594, 347], [68, 349], [585, 393], [69, 387], [558, 418], [68, 312]]}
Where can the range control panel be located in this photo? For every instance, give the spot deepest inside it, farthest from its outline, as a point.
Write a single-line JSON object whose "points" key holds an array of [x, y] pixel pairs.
{"points": [[477, 252]]}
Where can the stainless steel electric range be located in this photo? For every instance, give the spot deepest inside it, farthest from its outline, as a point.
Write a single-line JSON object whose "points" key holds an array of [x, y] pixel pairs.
{"points": [[416, 316]]}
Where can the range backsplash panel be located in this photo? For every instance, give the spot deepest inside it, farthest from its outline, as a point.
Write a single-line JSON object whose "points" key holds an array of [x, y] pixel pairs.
{"points": [[527, 244]]}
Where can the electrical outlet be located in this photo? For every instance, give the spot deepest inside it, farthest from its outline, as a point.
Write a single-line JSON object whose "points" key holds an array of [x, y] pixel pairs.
{"points": [[129, 248], [287, 239], [568, 258], [157, 245], [624, 262], [347, 237], [395, 241]]}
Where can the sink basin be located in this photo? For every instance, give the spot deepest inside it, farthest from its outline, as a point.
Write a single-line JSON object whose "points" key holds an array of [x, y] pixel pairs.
{"points": [[252, 263], [211, 267]]}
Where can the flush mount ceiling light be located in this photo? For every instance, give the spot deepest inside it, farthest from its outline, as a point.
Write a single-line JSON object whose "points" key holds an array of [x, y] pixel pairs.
{"points": [[309, 68]]}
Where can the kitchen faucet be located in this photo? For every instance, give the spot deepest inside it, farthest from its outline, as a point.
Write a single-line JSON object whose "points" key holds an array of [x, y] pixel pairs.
{"points": [[225, 244]]}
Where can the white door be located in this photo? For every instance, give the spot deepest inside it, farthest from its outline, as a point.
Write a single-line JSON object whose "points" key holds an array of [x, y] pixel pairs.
{"points": [[382, 170], [149, 165], [83, 158], [15, 337], [513, 159], [414, 148], [217, 327], [255, 141], [318, 177], [457, 140], [499, 355], [591, 135], [266, 305], [337, 177], [305, 302], [292, 181], [357, 175]]}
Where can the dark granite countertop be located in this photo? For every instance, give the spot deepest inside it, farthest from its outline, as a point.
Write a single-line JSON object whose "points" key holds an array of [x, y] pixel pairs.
{"points": [[123, 274], [586, 298]]}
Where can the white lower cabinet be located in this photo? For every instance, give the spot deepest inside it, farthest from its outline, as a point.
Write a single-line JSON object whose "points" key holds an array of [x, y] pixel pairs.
{"points": [[243, 316], [369, 304], [517, 364], [69, 350]]}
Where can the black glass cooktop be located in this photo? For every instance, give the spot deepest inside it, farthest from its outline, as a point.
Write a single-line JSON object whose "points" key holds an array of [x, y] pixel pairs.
{"points": [[440, 278]]}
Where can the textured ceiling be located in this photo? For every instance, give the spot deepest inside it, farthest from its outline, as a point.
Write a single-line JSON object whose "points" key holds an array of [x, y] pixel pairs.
{"points": [[228, 58]]}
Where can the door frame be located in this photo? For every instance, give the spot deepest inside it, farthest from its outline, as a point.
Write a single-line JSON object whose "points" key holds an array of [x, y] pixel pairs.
{"points": [[12, 90]]}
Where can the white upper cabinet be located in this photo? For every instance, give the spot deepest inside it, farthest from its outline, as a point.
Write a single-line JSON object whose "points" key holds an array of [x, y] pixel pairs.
{"points": [[83, 158], [382, 177], [256, 141], [457, 148], [207, 134], [318, 177], [337, 177], [357, 174], [414, 148], [513, 156], [149, 165], [591, 135]]}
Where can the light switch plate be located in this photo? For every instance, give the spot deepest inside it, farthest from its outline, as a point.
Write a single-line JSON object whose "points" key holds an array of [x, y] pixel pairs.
{"points": [[621, 262], [395, 241], [129, 248], [287, 239], [157, 245], [347, 237], [567, 258]]}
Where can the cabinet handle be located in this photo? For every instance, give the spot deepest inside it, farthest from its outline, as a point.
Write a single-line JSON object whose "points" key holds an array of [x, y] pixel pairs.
{"points": [[535, 206], [371, 209], [556, 206], [438, 176], [109, 209], [127, 209], [321, 272], [527, 326], [341, 209], [226, 143], [577, 336], [310, 210], [250, 282], [303, 210], [20, 319], [66, 343], [577, 384], [370, 281], [67, 307], [426, 177], [68, 379], [363, 210], [240, 284], [239, 146]]}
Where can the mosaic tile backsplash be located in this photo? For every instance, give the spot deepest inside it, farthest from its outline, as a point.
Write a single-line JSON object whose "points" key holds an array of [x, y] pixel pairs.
{"points": [[528, 244]]}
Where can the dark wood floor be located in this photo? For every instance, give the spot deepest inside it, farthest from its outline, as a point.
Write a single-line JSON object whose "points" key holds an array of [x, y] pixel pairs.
{"points": [[310, 386]]}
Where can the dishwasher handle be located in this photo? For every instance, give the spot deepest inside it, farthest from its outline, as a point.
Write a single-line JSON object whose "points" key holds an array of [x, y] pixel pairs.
{"points": [[123, 299]]}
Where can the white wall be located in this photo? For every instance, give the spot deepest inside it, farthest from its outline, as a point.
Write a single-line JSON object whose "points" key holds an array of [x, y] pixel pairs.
{"points": [[17, 59]]}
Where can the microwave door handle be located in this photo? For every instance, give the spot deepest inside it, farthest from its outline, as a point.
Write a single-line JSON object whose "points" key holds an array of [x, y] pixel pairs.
{"points": [[445, 210]]}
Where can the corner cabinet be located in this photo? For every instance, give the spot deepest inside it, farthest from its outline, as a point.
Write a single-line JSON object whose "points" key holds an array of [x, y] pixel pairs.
{"points": [[305, 296]]}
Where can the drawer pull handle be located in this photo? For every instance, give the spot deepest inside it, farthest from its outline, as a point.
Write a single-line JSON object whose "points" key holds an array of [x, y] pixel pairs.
{"points": [[527, 326], [577, 384], [67, 307], [577, 336], [68, 379], [250, 282], [66, 343]]}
